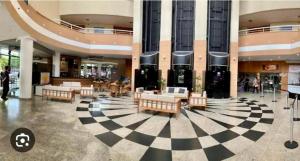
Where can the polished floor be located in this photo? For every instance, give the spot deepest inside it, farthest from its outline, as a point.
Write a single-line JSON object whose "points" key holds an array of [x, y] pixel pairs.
{"points": [[248, 128]]}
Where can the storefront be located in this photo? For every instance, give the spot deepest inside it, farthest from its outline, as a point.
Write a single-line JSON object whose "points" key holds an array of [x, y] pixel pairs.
{"points": [[270, 74]]}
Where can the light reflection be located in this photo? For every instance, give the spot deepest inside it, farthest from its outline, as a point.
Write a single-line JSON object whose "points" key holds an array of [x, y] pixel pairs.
{"points": [[12, 109]]}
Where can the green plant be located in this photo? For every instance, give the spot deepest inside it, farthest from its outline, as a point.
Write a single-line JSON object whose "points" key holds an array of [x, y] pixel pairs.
{"points": [[198, 85], [162, 83]]}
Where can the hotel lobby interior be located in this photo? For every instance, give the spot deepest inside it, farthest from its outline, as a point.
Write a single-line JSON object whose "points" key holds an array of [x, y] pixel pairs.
{"points": [[150, 80]]}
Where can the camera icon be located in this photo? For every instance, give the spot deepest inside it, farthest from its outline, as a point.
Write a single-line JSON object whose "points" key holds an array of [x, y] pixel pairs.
{"points": [[22, 140]]}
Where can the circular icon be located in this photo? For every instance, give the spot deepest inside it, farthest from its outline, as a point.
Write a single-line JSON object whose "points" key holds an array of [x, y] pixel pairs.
{"points": [[22, 140]]}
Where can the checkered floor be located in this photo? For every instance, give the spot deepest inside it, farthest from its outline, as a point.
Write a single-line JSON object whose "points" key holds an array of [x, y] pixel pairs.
{"points": [[225, 128]]}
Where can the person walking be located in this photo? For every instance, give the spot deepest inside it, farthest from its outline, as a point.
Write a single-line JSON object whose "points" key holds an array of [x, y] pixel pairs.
{"points": [[5, 82]]}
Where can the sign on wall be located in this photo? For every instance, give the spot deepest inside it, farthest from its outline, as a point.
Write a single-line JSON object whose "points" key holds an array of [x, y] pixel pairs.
{"points": [[270, 67]]}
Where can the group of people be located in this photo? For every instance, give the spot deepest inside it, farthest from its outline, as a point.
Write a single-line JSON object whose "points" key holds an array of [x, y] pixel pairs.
{"points": [[254, 84]]}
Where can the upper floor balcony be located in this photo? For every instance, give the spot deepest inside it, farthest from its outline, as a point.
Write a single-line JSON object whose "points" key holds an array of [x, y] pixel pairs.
{"points": [[61, 34], [273, 40]]}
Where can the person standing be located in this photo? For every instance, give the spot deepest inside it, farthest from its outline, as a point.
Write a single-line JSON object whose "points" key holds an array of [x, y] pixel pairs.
{"points": [[5, 82], [255, 85]]}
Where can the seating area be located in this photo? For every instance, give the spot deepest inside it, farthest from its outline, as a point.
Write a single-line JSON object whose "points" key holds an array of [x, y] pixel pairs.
{"points": [[58, 93], [161, 103], [114, 89], [167, 101], [66, 91]]}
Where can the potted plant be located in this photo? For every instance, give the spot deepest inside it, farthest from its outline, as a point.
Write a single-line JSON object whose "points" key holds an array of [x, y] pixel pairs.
{"points": [[162, 84], [198, 85]]}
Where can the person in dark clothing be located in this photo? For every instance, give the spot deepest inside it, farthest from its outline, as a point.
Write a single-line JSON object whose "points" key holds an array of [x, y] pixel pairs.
{"points": [[246, 85], [5, 82]]}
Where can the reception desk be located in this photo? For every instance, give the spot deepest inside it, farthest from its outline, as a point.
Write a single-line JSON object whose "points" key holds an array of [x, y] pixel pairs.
{"points": [[84, 81]]}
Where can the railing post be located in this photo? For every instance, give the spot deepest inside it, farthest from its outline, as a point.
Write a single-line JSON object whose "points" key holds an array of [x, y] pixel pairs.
{"points": [[291, 144], [297, 118], [287, 102], [274, 95], [262, 90]]}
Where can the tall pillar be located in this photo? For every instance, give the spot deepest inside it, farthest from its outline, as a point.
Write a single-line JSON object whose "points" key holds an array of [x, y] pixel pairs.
{"points": [[234, 47], [200, 39], [26, 56], [137, 37], [56, 64], [165, 38]]}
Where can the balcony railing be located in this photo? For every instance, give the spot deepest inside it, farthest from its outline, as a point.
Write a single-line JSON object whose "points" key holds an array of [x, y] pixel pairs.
{"points": [[92, 30], [270, 29]]}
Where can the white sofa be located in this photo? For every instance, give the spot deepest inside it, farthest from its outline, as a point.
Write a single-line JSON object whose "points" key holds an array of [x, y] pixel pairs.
{"points": [[178, 92], [161, 103], [58, 92], [138, 92], [74, 85]]}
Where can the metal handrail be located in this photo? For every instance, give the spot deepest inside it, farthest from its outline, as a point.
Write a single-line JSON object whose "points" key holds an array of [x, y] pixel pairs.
{"points": [[91, 30], [278, 28]]}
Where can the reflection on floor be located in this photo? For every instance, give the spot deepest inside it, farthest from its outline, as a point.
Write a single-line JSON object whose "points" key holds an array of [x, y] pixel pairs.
{"points": [[224, 129]]}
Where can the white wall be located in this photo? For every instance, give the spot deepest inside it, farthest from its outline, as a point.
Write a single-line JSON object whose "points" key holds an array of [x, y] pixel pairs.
{"points": [[253, 6], [48, 8], [105, 7]]}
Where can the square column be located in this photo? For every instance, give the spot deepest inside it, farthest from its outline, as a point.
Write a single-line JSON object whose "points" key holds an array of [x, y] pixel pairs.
{"points": [[137, 38], [56, 64], [165, 38], [234, 47], [26, 56], [200, 40]]}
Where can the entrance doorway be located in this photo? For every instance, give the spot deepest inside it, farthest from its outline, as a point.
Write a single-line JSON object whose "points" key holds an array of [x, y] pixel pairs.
{"points": [[267, 80]]}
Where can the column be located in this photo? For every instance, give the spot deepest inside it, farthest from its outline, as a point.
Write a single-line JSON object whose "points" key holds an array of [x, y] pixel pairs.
{"points": [[200, 40], [56, 64], [26, 56], [234, 47], [165, 38], [137, 37]]}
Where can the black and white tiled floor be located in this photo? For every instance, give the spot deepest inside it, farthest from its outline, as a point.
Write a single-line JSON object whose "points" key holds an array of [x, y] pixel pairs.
{"points": [[224, 129]]}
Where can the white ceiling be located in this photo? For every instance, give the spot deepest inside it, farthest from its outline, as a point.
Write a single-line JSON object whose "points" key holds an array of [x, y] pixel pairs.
{"points": [[268, 17]]}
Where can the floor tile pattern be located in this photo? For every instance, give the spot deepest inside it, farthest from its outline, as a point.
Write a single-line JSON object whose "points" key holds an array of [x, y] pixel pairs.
{"points": [[220, 131]]}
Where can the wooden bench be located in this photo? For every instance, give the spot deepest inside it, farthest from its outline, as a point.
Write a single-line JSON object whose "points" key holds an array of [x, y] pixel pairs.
{"points": [[159, 103], [58, 93]]}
